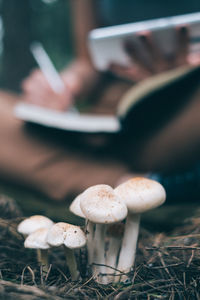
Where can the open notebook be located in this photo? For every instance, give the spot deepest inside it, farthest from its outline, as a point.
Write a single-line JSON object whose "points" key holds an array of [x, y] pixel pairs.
{"points": [[71, 121], [145, 105]]}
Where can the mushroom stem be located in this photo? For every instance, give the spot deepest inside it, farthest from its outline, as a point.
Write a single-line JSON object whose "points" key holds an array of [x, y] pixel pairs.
{"points": [[99, 252], [42, 258], [90, 242], [71, 263], [129, 244], [111, 257]]}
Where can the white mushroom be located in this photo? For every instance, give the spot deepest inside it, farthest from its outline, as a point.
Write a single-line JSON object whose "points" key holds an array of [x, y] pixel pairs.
{"points": [[139, 194], [38, 240], [114, 234], [72, 237], [33, 223], [76, 209], [101, 206]]}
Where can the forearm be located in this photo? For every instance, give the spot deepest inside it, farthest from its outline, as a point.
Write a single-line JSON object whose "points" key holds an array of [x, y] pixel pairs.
{"points": [[80, 75], [84, 20]]}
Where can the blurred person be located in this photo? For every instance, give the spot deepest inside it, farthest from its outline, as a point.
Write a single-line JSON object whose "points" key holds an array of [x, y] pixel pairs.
{"points": [[60, 169]]}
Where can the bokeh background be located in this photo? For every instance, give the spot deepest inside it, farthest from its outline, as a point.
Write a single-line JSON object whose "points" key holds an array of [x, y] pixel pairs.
{"points": [[24, 21]]}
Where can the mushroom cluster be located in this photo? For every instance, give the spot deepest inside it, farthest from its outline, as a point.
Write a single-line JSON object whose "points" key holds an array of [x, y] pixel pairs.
{"points": [[112, 218], [112, 243], [42, 234]]}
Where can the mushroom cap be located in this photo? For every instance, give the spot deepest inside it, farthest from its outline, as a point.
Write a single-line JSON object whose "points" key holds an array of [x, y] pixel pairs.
{"points": [[34, 223], [66, 234], [141, 194], [101, 205], [75, 207], [37, 239]]}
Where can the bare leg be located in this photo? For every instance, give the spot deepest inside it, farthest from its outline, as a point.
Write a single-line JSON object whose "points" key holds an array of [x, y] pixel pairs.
{"points": [[46, 165]]}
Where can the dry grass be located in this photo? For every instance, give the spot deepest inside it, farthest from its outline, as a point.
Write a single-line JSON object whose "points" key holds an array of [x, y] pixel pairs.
{"points": [[167, 267]]}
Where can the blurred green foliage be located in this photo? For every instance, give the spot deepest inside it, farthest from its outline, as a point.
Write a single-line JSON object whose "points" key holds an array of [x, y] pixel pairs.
{"points": [[51, 24], [47, 21]]}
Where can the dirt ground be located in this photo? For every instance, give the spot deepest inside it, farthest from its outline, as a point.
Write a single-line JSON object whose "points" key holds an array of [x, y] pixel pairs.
{"points": [[167, 266]]}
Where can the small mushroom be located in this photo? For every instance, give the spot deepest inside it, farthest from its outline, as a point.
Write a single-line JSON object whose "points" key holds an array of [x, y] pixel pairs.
{"points": [[72, 237], [140, 195], [38, 240], [76, 209], [33, 223], [101, 206]]}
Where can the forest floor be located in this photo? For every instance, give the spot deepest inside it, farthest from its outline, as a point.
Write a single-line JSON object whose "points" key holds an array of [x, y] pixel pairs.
{"points": [[167, 266]]}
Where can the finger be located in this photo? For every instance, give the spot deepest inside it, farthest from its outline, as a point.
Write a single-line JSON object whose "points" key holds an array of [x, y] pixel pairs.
{"points": [[137, 74], [36, 80], [60, 101], [30, 77], [36, 98], [134, 73], [134, 53], [36, 88], [35, 93], [157, 62], [117, 68], [193, 59], [182, 49]]}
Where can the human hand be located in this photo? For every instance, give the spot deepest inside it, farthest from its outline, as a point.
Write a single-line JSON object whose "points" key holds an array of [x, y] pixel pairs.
{"points": [[157, 62], [38, 91], [79, 78]]}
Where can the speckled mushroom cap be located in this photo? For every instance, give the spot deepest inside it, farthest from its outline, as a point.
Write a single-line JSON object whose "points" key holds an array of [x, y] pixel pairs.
{"points": [[141, 194], [34, 223], [37, 239], [63, 233], [75, 207], [101, 205]]}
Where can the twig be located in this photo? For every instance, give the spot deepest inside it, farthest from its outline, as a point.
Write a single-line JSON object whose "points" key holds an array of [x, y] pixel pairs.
{"points": [[190, 260], [174, 248]]}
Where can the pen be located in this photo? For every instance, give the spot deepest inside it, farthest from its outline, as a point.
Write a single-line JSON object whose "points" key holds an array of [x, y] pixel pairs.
{"points": [[48, 69]]}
